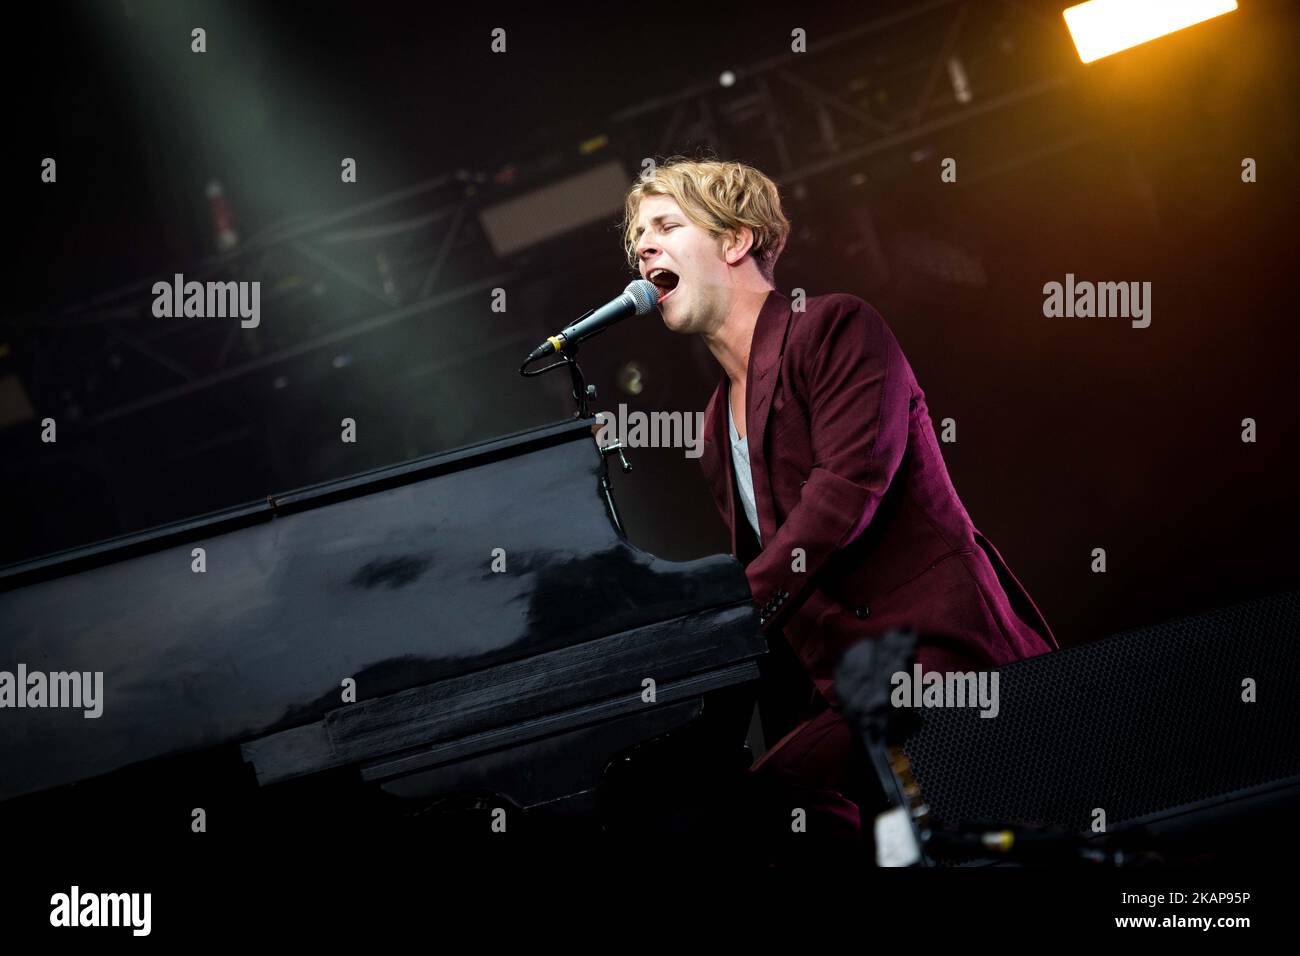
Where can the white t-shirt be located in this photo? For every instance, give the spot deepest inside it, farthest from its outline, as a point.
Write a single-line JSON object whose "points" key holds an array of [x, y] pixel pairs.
{"points": [[744, 478]]}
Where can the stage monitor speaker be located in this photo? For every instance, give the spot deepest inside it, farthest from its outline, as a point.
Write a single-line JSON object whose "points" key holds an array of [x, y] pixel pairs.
{"points": [[1169, 727]]}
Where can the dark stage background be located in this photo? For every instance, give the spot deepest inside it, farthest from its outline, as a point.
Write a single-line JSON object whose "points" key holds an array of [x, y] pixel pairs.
{"points": [[1073, 434]]}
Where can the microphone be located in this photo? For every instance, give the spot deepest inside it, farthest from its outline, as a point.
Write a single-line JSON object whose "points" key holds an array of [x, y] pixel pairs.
{"points": [[638, 298]]}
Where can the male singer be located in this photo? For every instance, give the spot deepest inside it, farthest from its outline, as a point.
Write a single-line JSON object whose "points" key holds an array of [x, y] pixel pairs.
{"points": [[822, 460]]}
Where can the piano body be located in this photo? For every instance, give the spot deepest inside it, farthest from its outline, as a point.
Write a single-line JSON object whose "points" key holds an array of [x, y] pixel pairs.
{"points": [[469, 630]]}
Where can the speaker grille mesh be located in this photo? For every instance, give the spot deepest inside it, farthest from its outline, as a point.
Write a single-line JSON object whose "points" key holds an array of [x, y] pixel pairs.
{"points": [[1137, 724]]}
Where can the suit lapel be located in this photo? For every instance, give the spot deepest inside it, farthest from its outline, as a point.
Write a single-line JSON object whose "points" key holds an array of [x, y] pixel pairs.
{"points": [[764, 360], [718, 446]]}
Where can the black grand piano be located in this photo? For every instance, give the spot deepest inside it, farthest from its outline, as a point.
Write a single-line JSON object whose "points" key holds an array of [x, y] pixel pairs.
{"points": [[442, 639]]}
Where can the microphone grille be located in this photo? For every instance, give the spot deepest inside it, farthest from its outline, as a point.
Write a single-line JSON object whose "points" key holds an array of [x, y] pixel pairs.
{"points": [[643, 293]]}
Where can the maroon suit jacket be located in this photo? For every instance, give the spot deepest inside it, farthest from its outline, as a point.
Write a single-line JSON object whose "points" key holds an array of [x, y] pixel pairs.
{"points": [[846, 467]]}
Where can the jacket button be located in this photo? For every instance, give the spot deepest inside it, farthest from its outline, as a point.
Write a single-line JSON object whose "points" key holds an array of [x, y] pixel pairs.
{"points": [[861, 611]]}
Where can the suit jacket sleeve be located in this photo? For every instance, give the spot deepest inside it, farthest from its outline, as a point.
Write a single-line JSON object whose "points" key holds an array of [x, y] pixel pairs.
{"points": [[852, 371]]}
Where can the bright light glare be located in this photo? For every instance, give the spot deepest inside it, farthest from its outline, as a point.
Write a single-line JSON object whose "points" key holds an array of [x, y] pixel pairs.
{"points": [[1103, 27]]}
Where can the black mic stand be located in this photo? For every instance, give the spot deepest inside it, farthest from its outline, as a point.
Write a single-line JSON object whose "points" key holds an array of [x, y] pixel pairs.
{"points": [[583, 394]]}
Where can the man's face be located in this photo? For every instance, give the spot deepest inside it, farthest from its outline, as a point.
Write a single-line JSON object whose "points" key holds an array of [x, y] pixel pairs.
{"points": [[698, 274]]}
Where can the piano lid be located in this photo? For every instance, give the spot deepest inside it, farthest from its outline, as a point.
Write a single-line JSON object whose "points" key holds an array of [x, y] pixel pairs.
{"points": [[395, 578]]}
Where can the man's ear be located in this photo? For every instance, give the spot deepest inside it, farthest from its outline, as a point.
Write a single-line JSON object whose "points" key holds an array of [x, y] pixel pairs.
{"points": [[737, 243]]}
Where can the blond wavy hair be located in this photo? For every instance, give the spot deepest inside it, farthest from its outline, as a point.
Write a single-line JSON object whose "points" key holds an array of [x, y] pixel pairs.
{"points": [[718, 196]]}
